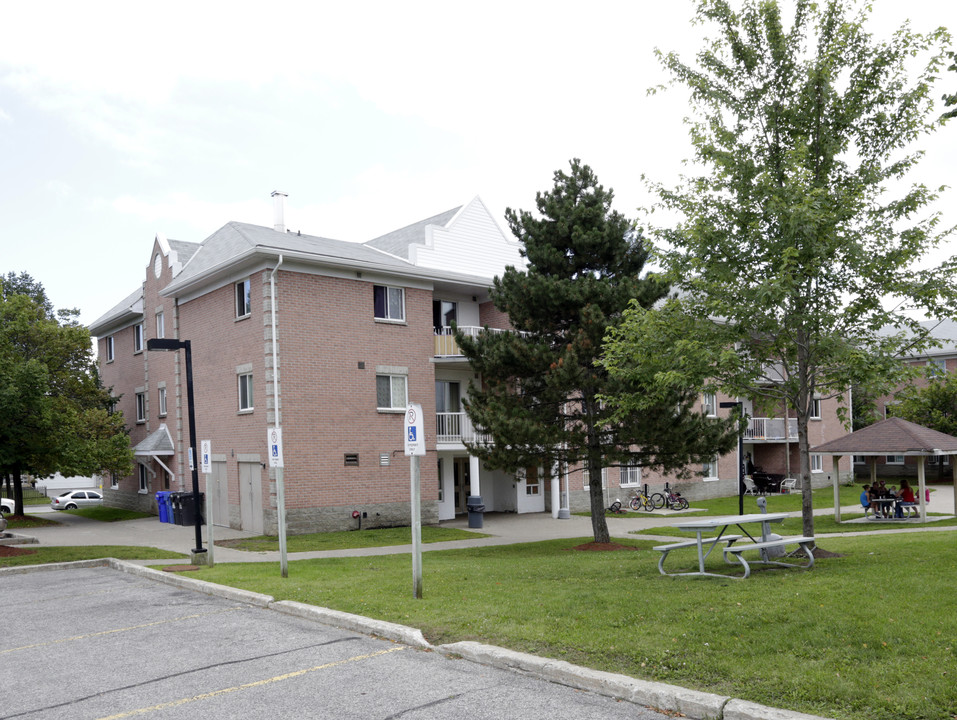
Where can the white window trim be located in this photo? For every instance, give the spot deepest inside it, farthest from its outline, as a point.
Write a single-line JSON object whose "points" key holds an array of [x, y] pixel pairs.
{"points": [[138, 338], [143, 479], [160, 324], [388, 318], [141, 404], [625, 471], [815, 409], [709, 405], [161, 400], [249, 391], [898, 460], [110, 349], [817, 463], [713, 465], [586, 479], [249, 307], [392, 372]]}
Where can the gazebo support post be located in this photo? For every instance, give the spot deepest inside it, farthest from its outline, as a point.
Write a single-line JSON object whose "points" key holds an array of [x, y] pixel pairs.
{"points": [[921, 485], [835, 459], [953, 476], [873, 470]]}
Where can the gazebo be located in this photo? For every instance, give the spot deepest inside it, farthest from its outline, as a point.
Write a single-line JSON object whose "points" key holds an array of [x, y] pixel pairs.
{"points": [[893, 436]]}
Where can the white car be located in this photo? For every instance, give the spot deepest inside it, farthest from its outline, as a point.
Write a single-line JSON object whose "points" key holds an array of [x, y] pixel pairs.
{"points": [[73, 499], [6, 506]]}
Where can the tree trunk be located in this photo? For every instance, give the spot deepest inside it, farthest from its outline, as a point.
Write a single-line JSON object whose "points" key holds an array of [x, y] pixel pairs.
{"points": [[17, 491], [598, 524]]}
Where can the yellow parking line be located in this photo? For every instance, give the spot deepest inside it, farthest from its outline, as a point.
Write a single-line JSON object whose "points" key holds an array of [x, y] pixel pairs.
{"points": [[117, 630], [246, 686]]}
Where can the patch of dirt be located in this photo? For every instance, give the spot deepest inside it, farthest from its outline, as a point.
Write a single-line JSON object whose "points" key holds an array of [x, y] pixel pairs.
{"points": [[180, 568], [602, 547], [11, 551], [820, 552]]}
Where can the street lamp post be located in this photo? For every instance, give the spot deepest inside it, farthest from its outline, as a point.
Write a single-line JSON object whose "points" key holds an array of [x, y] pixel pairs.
{"points": [[171, 344], [740, 406]]}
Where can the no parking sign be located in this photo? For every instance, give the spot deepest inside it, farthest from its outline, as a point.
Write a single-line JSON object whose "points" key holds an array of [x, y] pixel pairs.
{"points": [[274, 440]]}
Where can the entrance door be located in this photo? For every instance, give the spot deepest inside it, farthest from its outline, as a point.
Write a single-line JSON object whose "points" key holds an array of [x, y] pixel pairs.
{"points": [[460, 469], [251, 496]]}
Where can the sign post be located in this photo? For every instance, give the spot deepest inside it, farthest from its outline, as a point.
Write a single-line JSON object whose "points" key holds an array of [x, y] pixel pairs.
{"points": [[274, 440], [415, 448], [206, 465]]}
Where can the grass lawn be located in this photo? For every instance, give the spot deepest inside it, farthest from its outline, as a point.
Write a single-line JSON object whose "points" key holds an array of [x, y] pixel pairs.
{"points": [[867, 636], [13, 555], [379, 537]]}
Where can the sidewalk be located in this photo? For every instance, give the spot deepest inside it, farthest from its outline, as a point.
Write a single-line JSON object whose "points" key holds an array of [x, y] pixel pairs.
{"points": [[501, 529]]}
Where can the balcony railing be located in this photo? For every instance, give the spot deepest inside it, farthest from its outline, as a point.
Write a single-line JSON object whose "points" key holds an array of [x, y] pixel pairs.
{"points": [[456, 428], [771, 429], [445, 345]]}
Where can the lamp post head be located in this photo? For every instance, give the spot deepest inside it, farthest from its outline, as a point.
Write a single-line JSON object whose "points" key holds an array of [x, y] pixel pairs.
{"points": [[166, 344]]}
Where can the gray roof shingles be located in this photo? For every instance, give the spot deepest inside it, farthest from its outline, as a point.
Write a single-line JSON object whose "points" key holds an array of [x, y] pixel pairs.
{"points": [[893, 436], [398, 242]]}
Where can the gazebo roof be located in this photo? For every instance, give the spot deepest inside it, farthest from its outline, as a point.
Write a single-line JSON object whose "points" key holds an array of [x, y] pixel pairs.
{"points": [[893, 436]]}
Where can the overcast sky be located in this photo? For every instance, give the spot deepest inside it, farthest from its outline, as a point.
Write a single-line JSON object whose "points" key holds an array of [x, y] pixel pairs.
{"points": [[122, 120]]}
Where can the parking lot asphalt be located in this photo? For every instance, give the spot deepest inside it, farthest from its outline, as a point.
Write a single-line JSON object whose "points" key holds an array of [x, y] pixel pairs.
{"points": [[112, 642]]}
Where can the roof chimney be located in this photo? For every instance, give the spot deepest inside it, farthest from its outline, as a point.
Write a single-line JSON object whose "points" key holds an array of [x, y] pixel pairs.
{"points": [[278, 210]]}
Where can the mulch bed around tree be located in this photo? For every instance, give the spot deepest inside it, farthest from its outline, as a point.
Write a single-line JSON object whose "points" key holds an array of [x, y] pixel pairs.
{"points": [[10, 551], [602, 547]]}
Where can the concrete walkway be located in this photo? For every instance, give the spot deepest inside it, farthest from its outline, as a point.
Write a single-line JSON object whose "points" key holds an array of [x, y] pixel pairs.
{"points": [[500, 528]]}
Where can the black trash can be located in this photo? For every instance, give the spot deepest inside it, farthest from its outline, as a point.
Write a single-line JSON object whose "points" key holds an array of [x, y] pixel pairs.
{"points": [[192, 505], [176, 506], [475, 508]]}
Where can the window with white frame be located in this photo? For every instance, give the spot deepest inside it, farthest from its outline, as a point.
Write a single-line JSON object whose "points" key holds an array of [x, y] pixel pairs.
{"points": [[936, 367], [160, 324], [894, 459], [140, 407], [817, 463], [815, 409], [710, 469], [860, 460], [390, 391], [138, 338], [586, 477], [144, 479], [245, 382], [630, 475], [388, 303], [114, 481], [109, 348], [244, 305], [709, 404], [161, 397], [935, 459]]}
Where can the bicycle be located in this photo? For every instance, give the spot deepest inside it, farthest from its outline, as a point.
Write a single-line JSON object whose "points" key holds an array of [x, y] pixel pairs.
{"points": [[648, 502], [674, 501]]}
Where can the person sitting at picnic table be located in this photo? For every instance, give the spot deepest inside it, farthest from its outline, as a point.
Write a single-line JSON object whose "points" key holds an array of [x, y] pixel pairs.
{"points": [[908, 500], [881, 493], [866, 502]]}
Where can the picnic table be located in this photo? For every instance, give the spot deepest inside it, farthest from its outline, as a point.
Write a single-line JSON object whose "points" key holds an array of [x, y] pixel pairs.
{"points": [[765, 543]]}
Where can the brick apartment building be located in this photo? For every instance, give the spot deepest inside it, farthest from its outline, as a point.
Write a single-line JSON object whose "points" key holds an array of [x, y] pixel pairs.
{"points": [[361, 329], [936, 361]]}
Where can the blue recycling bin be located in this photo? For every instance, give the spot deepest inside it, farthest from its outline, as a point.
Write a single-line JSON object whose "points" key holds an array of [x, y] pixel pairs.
{"points": [[163, 505]]}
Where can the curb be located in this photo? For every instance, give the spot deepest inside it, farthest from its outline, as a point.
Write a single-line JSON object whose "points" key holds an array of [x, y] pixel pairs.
{"points": [[670, 698], [692, 704], [358, 623]]}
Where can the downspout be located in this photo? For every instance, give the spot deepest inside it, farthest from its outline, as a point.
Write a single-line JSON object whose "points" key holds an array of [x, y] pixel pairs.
{"points": [[280, 487]]}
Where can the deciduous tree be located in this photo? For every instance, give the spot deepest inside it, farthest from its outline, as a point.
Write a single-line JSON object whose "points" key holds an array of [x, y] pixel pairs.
{"points": [[56, 415], [796, 230]]}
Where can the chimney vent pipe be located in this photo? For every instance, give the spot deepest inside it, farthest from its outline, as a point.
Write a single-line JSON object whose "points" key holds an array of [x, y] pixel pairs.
{"points": [[279, 210]]}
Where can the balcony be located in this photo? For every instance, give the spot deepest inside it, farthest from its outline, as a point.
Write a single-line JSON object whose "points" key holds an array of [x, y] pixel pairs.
{"points": [[445, 345], [771, 429], [456, 428]]}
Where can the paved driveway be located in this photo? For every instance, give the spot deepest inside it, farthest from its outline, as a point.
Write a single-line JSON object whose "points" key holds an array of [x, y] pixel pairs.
{"points": [[99, 643]]}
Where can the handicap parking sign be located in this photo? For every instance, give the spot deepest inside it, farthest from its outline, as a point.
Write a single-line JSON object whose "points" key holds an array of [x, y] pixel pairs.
{"points": [[413, 430]]}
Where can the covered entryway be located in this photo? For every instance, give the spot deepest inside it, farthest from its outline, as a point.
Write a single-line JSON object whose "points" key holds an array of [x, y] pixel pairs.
{"points": [[893, 436]]}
